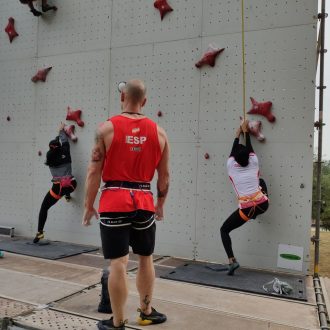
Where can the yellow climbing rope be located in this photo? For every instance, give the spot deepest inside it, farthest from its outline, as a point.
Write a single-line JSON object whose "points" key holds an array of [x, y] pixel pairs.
{"points": [[243, 59], [243, 64]]}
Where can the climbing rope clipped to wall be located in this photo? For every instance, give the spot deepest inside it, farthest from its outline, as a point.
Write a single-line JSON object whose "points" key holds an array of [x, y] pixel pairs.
{"points": [[243, 60]]}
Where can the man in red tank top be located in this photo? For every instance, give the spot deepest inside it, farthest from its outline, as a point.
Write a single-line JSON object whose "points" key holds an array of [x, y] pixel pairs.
{"points": [[128, 149]]}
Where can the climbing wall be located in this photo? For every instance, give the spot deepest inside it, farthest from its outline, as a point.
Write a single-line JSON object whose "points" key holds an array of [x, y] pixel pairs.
{"points": [[91, 45]]}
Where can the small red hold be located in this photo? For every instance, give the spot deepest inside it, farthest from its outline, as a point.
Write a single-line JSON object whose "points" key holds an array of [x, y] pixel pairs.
{"points": [[159, 113], [206, 156], [10, 29], [41, 75], [8, 118], [75, 115], [69, 131], [263, 109], [39, 153], [255, 130], [210, 56], [163, 7]]}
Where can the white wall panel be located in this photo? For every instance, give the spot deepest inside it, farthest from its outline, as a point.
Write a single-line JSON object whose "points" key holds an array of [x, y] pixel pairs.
{"points": [[17, 100], [77, 25], [221, 17], [25, 45], [16, 180], [176, 234], [177, 79], [172, 81], [138, 22], [221, 90], [274, 72], [280, 69], [129, 63], [76, 80], [215, 200]]}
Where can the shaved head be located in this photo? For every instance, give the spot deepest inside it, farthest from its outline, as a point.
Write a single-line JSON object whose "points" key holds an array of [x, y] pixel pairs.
{"points": [[135, 91]]}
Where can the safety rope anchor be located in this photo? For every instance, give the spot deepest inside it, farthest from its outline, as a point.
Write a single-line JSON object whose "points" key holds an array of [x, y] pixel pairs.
{"points": [[320, 15], [314, 239], [318, 124]]}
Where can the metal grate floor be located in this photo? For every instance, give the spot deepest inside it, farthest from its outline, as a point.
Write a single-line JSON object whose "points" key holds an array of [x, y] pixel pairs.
{"points": [[47, 319], [12, 308]]}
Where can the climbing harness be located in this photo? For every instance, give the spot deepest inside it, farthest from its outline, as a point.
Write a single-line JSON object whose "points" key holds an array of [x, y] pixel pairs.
{"points": [[144, 186], [130, 186], [64, 182], [252, 201]]}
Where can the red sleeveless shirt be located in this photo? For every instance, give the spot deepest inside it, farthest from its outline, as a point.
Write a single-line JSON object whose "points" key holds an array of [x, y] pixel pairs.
{"points": [[133, 156]]}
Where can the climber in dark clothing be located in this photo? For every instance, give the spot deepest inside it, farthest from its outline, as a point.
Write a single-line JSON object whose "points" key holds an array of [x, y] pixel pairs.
{"points": [[44, 6], [59, 162], [251, 191]]}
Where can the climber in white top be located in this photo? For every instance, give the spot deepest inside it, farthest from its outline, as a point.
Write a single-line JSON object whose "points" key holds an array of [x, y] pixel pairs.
{"points": [[251, 191]]}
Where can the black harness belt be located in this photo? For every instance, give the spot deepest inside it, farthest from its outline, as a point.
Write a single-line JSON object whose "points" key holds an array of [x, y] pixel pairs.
{"points": [[127, 185]]}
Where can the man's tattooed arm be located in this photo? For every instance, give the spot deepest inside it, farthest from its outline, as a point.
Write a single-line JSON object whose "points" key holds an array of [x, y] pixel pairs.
{"points": [[97, 152]]}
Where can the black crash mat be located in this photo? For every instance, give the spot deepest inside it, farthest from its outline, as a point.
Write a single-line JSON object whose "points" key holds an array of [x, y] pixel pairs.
{"points": [[246, 280], [48, 250]]}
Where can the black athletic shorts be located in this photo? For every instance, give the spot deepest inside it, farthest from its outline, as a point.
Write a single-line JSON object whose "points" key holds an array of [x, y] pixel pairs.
{"points": [[119, 230]]}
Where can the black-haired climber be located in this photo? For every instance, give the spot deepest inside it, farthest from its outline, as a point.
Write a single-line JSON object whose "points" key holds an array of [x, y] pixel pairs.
{"points": [[44, 6], [251, 191], [59, 161]]}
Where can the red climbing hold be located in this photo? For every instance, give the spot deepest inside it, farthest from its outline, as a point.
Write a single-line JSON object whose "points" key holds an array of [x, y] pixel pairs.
{"points": [[255, 130], [163, 7], [210, 56], [75, 116], [262, 108], [41, 75], [10, 29], [159, 113], [207, 156], [69, 131]]}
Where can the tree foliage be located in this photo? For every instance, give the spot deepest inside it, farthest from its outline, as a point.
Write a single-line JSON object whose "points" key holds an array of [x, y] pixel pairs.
{"points": [[325, 194]]}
